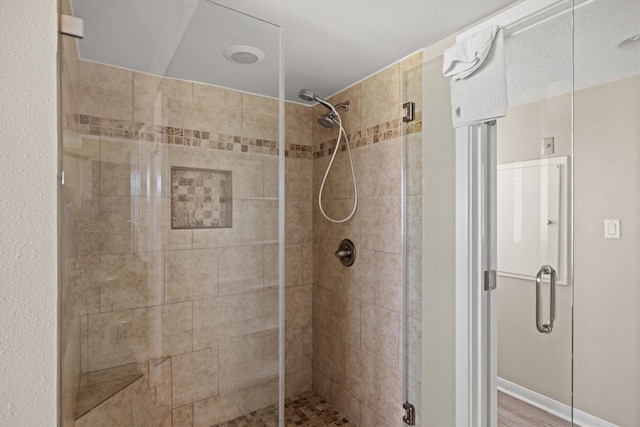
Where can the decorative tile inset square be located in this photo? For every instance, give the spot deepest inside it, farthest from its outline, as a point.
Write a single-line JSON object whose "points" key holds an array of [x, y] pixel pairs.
{"points": [[201, 198]]}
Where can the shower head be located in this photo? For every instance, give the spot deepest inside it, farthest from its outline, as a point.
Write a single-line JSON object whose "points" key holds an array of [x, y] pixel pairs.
{"points": [[330, 119], [309, 95], [327, 120]]}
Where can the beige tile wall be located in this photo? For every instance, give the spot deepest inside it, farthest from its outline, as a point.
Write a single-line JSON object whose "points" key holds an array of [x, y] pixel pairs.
{"points": [[205, 298], [298, 253], [357, 311]]}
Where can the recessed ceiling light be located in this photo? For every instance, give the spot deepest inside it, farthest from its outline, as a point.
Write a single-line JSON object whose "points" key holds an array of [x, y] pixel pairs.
{"points": [[243, 54], [632, 42]]}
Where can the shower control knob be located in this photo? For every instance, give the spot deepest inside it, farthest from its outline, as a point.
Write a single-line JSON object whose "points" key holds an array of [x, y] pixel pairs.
{"points": [[346, 253]]}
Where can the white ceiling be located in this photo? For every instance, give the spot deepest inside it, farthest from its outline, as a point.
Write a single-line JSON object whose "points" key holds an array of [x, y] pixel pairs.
{"points": [[329, 44], [332, 44], [554, 56]]}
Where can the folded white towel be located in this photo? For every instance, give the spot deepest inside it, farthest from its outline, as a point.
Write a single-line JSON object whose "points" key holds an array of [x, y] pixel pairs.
{"points": [[465, 57], [482, 96]]}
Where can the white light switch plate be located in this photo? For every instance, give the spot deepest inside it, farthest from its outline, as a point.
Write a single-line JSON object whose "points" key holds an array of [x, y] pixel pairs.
{"points": [[611, 228]]}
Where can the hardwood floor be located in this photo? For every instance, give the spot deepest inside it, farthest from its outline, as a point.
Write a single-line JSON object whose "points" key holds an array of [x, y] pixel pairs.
{"points": [[516, 413]]}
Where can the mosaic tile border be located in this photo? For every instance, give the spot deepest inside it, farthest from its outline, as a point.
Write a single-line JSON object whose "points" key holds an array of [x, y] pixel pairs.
{"points": [[298, 151], [97, 126], [371, 135], [126, 129]]}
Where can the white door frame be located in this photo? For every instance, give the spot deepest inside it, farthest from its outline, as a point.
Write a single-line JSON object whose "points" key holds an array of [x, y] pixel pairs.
{"points": [[476, 392]]}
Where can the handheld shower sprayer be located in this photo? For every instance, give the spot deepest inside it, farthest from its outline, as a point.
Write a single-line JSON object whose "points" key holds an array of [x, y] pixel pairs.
{"points": [[309, 95], [329, 120]]}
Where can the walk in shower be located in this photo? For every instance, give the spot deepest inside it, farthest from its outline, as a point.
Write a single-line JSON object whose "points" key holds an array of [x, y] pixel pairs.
{"points": [[199, 282], [182, 190]]}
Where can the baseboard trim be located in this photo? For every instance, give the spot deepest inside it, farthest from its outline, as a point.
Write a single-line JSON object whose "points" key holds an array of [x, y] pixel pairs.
{"points": [[580, 418]]}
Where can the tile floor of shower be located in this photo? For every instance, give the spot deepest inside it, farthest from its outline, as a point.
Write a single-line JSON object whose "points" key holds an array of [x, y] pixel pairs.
{"points": [[308, 410], [135, 394], [104, 395]]}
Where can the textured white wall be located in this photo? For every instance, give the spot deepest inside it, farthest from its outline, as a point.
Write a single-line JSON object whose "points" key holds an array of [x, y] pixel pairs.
{"points": [[28, 266]]}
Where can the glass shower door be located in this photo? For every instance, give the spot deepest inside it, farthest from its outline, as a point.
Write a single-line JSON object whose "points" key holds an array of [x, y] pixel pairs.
{"points": [[171, 290], [568, 179], [533, 352], [606, 214], [533, 226]]}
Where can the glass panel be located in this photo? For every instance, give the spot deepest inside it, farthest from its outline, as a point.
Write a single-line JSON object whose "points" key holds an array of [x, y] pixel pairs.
{"points": [[607, 213], [533, 225], [69, 199], [170, 224], [412, 232]]}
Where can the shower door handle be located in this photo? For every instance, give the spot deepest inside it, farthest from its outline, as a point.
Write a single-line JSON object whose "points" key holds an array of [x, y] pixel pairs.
{"points": [[546, 328]]}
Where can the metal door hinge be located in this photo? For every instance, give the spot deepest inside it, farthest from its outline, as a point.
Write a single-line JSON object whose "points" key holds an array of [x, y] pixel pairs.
{"points": [[410, 414], [490, 280], [409, 111]]}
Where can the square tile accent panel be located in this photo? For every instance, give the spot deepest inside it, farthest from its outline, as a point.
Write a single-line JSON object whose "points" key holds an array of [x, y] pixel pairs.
{"points": [[201, 198]]}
